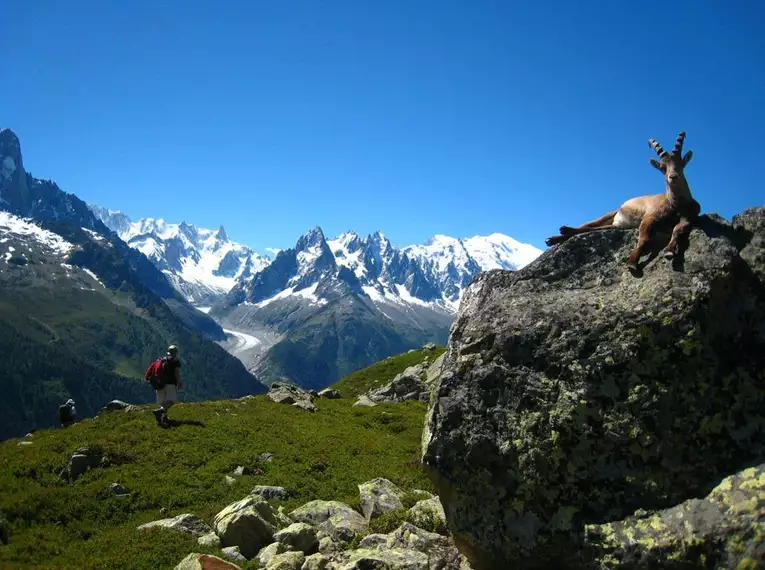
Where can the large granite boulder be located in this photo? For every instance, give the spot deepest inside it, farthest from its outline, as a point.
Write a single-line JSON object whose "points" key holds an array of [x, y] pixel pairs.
{"points": [[574, 393], [284, 393]]}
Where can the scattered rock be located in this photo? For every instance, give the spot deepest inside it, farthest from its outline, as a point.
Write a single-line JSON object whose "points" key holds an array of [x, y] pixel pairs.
{"points": [[429, 512], [22, 443], [270, 492], [283, 393], [379, 496], [229, 480], [364, 401], [249, 524], [83, 459], [392, 559], [330, 393], [232, 553], [266, 553], [118, 490], [573, 393], [186, 523], [429, 347], [266, 457], [336, 519], [315, 562], [210, 539], [239, 470], [299, 536], [286, 561], [195, 561], [408, 385], [329, 546], [114, 405]]}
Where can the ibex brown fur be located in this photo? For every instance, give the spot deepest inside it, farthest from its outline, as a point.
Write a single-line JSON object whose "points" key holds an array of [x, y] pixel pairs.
{"points": [[675, 207]]}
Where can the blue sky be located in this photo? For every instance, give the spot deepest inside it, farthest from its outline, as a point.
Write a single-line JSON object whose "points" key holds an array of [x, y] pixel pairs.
{"points": [[414, 117]]}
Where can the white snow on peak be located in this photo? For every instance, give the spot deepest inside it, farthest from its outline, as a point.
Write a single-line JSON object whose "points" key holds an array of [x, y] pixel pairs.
{"points": [[341, 249], [24, 228], [200, 262], [308, 293], [498, 251]]}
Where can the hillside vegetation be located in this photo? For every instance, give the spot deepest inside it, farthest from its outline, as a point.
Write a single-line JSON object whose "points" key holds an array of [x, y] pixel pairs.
{"points": [[182, 469]]}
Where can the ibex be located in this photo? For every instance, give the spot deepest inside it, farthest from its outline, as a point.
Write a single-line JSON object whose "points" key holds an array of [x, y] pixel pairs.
{"points": [[675, 207]]}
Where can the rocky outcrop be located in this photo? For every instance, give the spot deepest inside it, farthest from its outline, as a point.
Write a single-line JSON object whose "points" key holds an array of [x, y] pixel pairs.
{"points": [[414, 383], [283, 393], [195, 561], [330, 393], [186, 523], [298, 536], [379, 496], [337, 520], [429, 513], [82, 460], [249, 524], [574, 393]]}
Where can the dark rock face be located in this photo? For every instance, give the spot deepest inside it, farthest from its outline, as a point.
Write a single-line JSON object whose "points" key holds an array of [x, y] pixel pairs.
{"points": [[573, 393]]}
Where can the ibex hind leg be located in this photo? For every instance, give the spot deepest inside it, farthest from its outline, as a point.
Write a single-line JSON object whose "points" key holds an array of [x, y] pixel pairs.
{"points": [[601, 222]]}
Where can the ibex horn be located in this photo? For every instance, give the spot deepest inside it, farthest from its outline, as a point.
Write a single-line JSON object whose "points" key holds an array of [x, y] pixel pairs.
{"points": [[653, 143], [679, 143]]}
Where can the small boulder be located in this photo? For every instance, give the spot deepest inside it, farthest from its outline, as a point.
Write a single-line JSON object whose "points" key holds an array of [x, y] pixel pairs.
{"points": [[185, 523], [115, 405], [210, 539], [266, 553], [117, 490], [379, 496], [429, 513], [336, 519], [229, 480], [286, 561], [429, 347], [330, 393], [266, 457], [393, 559], [270, 492], [283, 393], [195, 561], [315, 562], [249, 524], [364, 401], [23, 443], [232, 553], [83, 459], [408, 385], [299, 536]]}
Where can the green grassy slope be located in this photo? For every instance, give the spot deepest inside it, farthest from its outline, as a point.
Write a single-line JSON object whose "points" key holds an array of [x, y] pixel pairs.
{"points": [[323, 455]]}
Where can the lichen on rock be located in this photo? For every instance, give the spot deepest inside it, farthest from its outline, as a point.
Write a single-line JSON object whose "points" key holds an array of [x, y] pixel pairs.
{"points": [[574, 393]]}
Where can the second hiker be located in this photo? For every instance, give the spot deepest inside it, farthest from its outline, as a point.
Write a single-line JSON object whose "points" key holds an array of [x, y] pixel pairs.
{"points": [[164, 375]]}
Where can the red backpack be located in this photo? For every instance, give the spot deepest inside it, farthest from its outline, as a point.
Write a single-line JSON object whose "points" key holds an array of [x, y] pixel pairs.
{"points": [[156, 373]]}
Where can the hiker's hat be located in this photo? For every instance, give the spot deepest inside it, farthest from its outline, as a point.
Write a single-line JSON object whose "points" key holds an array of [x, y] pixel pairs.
{"points": [[172, 350]]}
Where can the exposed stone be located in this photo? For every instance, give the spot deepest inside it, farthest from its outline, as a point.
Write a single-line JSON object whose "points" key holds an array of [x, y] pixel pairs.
{"points": [[364, 401], [379, 496], [270, 492], [429, 347], [266, 553], [574, 392], [393, 559], [83, 459], [330, 393], [299, 536], [229, 480], [249, 524], [286, 561], [210, 539], [185, 523], [408, 385], [117, 490], [232, 553], [266, 457], [283, 393], [315, 562], [336, 519], [115, 405], [429, 513], [195, 561]]}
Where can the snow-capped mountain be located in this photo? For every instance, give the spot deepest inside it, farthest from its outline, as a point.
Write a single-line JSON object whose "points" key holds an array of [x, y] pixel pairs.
{"points": [[327, 307], [202, 264], [432, 275]]}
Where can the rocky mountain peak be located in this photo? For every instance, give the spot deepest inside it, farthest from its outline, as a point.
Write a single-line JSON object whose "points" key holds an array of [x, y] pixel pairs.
{"points": [[313, 238], [10, 148]]}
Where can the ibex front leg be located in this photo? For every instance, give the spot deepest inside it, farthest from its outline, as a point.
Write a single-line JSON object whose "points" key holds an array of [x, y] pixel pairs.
{"points": [[681, 228], [644, 236]]}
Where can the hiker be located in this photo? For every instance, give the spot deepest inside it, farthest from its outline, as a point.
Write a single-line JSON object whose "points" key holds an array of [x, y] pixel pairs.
{"points": [[67, 414], [164, 374]]}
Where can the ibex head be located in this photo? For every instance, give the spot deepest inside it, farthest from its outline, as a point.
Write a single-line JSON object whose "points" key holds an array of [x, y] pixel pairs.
{"points": [[671, 164]]}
